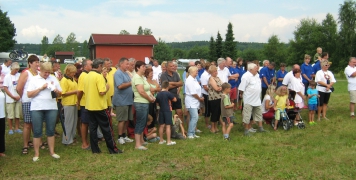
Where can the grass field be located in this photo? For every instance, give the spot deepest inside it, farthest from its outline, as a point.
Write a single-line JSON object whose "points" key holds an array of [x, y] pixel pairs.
{"points": [[324, 151]]}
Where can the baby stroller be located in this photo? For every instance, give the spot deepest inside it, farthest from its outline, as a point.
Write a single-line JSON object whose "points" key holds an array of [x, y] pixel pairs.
{"points": [[285, 121], [292, 113]]}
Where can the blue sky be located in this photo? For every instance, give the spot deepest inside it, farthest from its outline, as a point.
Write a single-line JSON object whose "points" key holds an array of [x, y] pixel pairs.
{"points": [[172, 21]]}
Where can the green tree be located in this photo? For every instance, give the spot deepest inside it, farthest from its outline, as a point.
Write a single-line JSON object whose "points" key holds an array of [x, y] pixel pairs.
{"points": [[219, 46], [347, 33], [147, 31], [124, 32], [250, 54], [140, 31], [274, 50], [162, 52], [44, 44], [85, 49], [178, 53], [7, 32], [212, 50], [229, 45], [330, 36], [58, 45], [72, 43], [198, 52]]}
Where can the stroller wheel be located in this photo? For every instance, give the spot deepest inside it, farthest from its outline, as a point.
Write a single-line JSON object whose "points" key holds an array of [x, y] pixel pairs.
{"points": [[301, 126], [286, 125]]}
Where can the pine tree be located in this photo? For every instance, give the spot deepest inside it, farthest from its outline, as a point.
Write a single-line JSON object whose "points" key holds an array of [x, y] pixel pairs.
{"points": [[212, 49], [229, 45], [7, 32], [140, 31], [219, 46]]}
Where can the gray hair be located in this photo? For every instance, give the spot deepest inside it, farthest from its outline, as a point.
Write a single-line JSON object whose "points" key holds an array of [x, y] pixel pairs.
{"points": [[175, 63], [132, 59], [15, 65], [251, 66], [148, 66], [220, 60], [352, 58], [123, 59], [97, 62], [265, 61]]}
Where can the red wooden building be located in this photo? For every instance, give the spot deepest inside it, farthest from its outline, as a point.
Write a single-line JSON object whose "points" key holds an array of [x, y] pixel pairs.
{"points": [[116, 46]]}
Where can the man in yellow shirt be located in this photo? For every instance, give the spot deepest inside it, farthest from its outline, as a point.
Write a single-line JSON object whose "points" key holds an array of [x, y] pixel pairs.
{"points": [[81, 100], [110, 78], [95, 90]]}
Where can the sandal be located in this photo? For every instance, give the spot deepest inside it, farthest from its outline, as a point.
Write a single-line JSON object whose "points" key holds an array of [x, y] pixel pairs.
{"points": [[25, 150], [30, 144], [44, 145]]}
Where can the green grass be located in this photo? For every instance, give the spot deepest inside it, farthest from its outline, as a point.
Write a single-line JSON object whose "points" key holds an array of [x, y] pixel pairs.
{"points": [[324, 151]]}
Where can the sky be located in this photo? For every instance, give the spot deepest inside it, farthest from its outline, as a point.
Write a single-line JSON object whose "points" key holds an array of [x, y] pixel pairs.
{"points": [[170, 20]]}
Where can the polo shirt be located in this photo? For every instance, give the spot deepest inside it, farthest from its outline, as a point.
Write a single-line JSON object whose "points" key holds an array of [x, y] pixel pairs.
{"points": [[43, 100], [233, 82], [192, 87], [174, 78], [224, 74], [351, 80], [93, 85], [308, 70], [316, 67], [110, 82], [137, 80], [200, 72], [81, 81], [268, 74], [122, 97], [67, 85], [251, 86], [10, 81], [280, 74]]}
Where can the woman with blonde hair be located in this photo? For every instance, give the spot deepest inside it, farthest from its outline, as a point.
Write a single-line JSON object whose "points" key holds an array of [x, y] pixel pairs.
{"points": [[214, 91], [267, 104], [69, 101]]}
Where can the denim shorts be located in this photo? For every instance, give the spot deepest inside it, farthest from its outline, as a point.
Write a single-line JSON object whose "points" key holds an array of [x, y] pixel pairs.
{"points": [[40, 116], [313, 107], [141, 116]]}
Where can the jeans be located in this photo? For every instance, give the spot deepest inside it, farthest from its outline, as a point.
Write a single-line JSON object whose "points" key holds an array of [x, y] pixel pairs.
{"points": [[193, 112], [40, 116], [141, 116]]}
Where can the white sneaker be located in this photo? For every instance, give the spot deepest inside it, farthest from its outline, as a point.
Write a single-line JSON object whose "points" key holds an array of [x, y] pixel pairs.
{"points": [[190, 137], [195, 136], [127, 139], [162, 142], [171, 143], [121, 141], [56, 156], [252, 130], [198, 131]]}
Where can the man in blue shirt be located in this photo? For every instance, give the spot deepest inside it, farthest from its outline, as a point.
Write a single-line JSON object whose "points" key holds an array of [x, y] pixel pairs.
{"points": [[266, 75], [307, 71], [280, 74], [317, 67]]}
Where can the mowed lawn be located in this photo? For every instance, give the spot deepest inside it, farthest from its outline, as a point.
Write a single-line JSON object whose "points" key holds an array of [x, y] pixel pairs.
{"points": [[324, 151]]}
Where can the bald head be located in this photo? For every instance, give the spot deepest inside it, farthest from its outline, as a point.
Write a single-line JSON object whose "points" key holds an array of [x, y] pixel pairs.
{"points": [[296, 66]]}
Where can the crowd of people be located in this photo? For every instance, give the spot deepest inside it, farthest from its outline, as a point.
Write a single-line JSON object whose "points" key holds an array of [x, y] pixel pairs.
{"points": [[141, 97]]}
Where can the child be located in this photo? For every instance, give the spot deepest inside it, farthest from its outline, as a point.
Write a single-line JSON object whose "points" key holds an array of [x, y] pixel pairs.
{"points": [[163, 100], [150, 135], [280, 102], [227, 110], [313, 101], [175, 128]]}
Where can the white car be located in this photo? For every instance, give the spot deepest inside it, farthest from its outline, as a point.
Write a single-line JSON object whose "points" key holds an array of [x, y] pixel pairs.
{"points": [[69, 61]]}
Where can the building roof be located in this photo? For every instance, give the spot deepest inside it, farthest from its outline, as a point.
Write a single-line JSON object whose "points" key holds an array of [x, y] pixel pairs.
{"points": [[64, 53], [120, 39]]}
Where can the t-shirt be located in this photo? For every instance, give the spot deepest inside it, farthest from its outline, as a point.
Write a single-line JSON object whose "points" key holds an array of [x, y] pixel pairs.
{"points": [[156, 70], [122, 97], [164, 99], [316, 67], [224, 74], [298, 86], [280, 74], [267, 97], [136, 80], [204, 80], [313, 99], [351, 80], [225, 101], [251, 86], [233, 82], [5, 69], [2, 105], [316, 56], [268, 74], [281, 101], [43, 100], [322, 76], [174, 78], [307, 70], [192, 87], [81, 81], [67, 85], [10, 81], [95, 84]]}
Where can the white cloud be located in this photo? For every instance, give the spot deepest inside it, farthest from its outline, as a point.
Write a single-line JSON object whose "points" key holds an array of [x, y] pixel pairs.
{"points": [[36, 31]]}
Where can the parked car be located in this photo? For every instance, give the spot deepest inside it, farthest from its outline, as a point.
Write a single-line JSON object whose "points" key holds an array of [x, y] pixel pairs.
{"points": [[69, 61]]}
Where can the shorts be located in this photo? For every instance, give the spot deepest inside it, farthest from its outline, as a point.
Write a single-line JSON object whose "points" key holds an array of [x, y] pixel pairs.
{"points": [[352, 94], [13, 110], [165, 118], [233, 93], [313, 107], [177, 104], [124, 113], [206, 104], [299, 105], [26, 106], [277, 115], [255, 111], [324, 98], [228, 120], [215, 109], [84, 114]]}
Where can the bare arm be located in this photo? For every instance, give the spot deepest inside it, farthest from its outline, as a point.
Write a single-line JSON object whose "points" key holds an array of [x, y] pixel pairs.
{"points": [[214, 85], [6, 89], [70, 93], [34, 93], [107, 89], [142, 93], [79, 95], [21, 83], [124, 85]]}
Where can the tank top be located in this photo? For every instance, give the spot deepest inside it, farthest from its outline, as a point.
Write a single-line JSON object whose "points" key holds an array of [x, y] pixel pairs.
{"points": [[214, 95], [25, 98]]}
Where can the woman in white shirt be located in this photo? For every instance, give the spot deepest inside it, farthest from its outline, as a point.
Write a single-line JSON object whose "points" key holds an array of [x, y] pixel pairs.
{"points": [[267, 104], [325, 80], [43, 90], [193, 97], [298, 87]]}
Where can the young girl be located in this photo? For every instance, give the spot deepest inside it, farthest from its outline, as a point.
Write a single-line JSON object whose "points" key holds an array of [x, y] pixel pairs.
{"points": [[313, 101], [280, 102]]}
